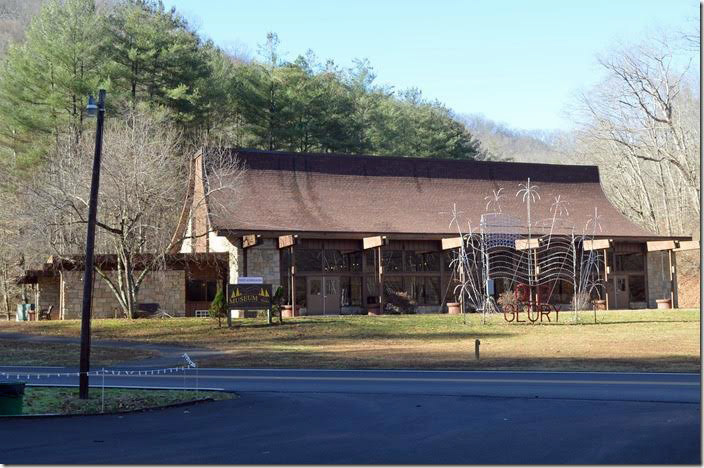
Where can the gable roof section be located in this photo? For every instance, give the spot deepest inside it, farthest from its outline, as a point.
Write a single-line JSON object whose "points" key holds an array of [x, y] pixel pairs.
{"points": [[333, 193]]}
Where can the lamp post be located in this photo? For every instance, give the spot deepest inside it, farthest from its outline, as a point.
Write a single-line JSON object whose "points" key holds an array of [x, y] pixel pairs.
{"points": [[92, 110]]}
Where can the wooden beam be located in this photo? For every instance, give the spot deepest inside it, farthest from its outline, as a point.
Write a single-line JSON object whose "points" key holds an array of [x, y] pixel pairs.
{"points": [[250, 240], [687, 245], [287, 241], [596, 244], [451, 243], [375, 241], [525, 244], [654, 246]]}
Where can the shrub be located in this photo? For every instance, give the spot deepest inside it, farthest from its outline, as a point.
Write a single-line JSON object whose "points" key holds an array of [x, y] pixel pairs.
{"points": [[507, 298], [582, 301], [217, 307], [399, 302]]}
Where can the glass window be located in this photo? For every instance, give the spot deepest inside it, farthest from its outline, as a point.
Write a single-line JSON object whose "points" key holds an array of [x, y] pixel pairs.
{"points": [[422, 261], [432, 290], [630, 262], [285, 260], [353, 260], [212, 289], [447, 258], [636, 288], [315, 287], [351, 288], [195, 290], [393, 284], [372, 289], [415, 287], [392, 260], [300, 291], [334, 261], [369, 259], [309, 260]]}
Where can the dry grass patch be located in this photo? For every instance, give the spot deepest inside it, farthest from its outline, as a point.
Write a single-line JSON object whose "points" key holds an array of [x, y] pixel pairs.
{"points": [[18, 353], [645, 340]]}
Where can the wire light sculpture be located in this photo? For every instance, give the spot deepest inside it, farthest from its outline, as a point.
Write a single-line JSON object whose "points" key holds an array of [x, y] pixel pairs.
{"points": [[529, 256]]}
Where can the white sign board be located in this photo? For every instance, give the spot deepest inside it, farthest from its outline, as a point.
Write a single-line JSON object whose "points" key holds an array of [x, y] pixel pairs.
{"points": [[250, 280]]}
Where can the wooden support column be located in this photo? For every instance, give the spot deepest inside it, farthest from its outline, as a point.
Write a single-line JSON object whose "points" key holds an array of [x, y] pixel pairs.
{"points": [[462, 280], [673, 279], [380, 276], [293, 281], [376, 242], [606, 277], [289, 242]]}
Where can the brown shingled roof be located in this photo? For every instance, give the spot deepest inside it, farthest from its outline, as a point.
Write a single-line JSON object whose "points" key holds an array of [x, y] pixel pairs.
{"points": [[332, 193]]}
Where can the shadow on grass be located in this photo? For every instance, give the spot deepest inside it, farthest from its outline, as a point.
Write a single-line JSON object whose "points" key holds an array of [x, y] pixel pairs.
{"points": [[447, 361], [624, 322]]}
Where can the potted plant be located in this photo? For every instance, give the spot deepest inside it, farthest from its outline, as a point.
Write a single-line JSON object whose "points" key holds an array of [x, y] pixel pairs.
{"points": [[453, 308], [288, 311]]}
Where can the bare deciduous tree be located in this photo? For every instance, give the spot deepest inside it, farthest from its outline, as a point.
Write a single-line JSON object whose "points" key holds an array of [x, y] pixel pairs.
{"points": [[641, 125], [144, 179]]}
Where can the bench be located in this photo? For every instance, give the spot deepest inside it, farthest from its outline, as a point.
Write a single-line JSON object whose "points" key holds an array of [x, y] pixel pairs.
{"points": [[147, 310]]}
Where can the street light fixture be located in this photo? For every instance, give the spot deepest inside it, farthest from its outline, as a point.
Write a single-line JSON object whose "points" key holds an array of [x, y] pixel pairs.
{"points": [[92, 110]]}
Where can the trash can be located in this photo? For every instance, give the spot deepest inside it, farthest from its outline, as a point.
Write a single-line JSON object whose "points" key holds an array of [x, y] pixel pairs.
{"points": [[11, 396], [23, 310]]}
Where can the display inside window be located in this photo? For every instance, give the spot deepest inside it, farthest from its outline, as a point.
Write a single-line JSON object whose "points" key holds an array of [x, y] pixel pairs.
{"points": [[309, 260], [422, 261], [392, 260], [369, 260], [432, 290], [372, 289], [334, 261], [353, 260], [351, 289], [636, 288]]}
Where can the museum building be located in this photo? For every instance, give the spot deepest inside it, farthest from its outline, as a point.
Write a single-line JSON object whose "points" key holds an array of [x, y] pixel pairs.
{"points": [[343, 234]]}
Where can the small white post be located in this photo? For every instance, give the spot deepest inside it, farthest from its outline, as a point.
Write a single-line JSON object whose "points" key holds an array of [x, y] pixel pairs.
{"points": [[102, 396]]}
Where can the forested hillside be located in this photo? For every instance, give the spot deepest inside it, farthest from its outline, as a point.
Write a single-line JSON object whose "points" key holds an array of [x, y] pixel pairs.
{"points": [[143, 54]]}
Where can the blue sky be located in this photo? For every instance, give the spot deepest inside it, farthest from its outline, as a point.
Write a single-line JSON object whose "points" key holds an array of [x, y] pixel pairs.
{"points": [[515, 62]]}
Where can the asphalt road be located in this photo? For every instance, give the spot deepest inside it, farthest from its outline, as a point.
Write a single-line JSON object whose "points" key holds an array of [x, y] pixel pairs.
{"points": [[322, 416]]}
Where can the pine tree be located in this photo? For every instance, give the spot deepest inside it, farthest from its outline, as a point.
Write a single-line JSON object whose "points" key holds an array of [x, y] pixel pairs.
{"points": [[217, 307]]}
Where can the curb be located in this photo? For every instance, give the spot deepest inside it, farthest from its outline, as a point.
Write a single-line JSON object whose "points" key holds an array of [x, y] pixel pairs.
{"points": [[113, 413]]}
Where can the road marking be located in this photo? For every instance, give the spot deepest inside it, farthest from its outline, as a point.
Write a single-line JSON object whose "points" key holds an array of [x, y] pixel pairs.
{"points": [[411, 379], [438, 371], [146, 387]]}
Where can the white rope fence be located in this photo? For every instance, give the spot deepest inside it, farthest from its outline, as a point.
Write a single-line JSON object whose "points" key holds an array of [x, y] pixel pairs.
{"points": [[96, 373], [109, 372], [103, 372]]}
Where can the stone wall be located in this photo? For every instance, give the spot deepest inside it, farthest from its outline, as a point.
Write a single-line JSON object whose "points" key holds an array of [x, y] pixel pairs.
{"points": [[167, 288], [263, 260], [49, 294], [658, 277]]}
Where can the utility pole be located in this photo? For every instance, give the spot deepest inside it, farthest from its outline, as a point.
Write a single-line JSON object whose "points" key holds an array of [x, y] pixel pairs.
{"points": [[92, 110]]}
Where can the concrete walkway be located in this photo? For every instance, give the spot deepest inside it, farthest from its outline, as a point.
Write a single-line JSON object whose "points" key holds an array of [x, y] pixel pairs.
{"points": [[167, 355]]}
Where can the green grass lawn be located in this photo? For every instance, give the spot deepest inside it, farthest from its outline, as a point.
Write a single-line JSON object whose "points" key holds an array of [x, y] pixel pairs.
{"points": [[634, 340], [18, 353], [64, 400]]}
